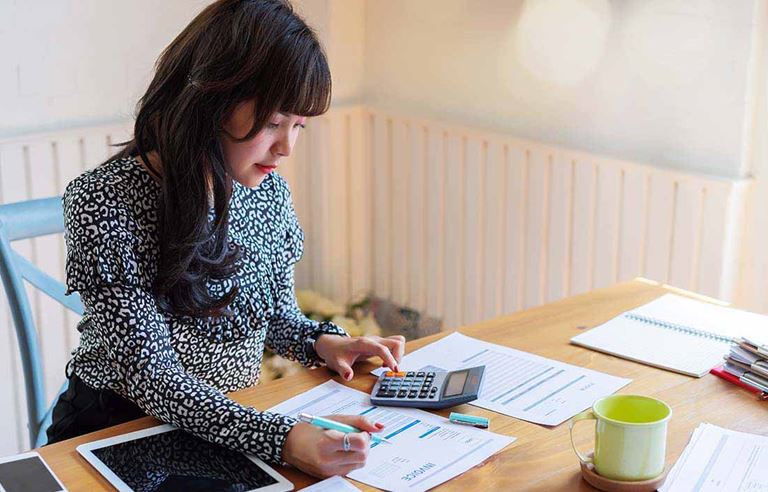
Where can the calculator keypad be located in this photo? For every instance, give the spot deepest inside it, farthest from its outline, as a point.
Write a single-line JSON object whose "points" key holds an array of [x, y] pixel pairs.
{"points": [[408, 385]]}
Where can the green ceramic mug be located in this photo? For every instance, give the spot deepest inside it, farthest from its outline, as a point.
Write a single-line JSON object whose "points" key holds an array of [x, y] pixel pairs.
{"points": [[630, 436]]}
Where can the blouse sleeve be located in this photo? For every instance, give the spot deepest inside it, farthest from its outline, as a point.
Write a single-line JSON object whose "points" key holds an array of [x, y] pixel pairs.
{"points": [[102, 239], [150, 374], [290, 331], [103, 264]]}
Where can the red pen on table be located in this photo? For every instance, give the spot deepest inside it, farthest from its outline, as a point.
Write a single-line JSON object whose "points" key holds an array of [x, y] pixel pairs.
{"points": [[722, 373]]}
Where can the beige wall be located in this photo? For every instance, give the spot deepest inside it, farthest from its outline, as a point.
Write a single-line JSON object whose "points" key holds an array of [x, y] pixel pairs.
{"points": [[340, 24], [660, 81], [67, 63]]}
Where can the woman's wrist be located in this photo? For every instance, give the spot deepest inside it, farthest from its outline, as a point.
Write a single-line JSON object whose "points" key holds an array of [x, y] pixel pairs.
{"points": [[287, 451], [324, 343]]}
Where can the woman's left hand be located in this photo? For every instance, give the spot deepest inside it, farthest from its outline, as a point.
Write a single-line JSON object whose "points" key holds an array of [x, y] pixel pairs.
{"points": [[340, 353]]}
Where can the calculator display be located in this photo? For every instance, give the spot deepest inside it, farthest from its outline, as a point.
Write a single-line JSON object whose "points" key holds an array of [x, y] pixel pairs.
{"points": [[456, 383]]}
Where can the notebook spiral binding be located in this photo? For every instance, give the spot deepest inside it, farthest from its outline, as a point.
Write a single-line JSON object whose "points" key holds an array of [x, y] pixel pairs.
{"points": [[676, 327]]}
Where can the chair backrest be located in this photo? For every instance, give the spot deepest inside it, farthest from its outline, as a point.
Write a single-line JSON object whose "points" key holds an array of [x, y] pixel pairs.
{"points": [[24, 220]]}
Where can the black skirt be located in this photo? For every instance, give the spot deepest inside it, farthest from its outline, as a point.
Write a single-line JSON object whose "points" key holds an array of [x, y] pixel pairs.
{"points": [[82, 409]]}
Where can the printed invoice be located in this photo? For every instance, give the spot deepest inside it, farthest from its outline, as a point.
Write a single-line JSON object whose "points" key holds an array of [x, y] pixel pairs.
{"points": [[720, 460], [516, 383], [425, 451]]}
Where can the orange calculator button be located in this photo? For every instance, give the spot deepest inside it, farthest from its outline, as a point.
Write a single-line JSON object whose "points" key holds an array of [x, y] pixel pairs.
{"points": [[389, 374]]}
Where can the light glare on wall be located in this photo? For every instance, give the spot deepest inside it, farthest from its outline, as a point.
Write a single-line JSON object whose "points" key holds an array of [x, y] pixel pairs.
{"points": [[667, 48], [562, 41]]}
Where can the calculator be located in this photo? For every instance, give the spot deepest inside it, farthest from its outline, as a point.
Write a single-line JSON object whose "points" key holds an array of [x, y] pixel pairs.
{"points": [[427, 389]]}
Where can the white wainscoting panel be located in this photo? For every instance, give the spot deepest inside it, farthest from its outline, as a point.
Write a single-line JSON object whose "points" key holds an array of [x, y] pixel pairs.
{"points": [[458, 222], [469, 225], [40, 166]]}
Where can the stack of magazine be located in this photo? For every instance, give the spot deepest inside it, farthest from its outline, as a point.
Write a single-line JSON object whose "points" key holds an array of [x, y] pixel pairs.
{"points": [[748, 361]]}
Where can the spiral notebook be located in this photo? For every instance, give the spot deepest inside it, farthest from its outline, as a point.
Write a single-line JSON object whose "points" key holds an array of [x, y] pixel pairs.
{"points": [[675, 333]]}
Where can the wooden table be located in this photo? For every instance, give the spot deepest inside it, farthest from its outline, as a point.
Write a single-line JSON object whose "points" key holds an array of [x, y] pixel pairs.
{"points": [[541, 458]]}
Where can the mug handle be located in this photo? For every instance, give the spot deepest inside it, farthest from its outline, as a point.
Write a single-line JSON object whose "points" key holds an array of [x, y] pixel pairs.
{"points": [[585, 415]]}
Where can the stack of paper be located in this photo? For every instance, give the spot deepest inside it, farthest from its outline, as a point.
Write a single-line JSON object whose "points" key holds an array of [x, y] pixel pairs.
{"points": [[749, 362], [718, 459]]}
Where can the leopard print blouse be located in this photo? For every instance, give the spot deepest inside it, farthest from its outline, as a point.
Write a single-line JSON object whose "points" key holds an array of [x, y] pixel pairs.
{"points": [[175, 367]]}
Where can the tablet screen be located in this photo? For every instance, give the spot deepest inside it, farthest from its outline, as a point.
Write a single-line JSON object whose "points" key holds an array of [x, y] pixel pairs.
{"points": [[176, 460], [27, 473]]}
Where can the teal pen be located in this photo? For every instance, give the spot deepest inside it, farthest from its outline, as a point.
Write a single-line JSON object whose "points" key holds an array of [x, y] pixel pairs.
{"points": [[460, 418], [333, 425]]}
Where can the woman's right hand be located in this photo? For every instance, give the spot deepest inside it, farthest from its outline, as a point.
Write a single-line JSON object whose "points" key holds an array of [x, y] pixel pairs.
{"points": [[320, 452]]}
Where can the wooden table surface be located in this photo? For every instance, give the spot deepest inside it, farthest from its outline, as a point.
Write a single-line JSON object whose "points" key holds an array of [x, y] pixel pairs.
{"points": [[541, 458]]}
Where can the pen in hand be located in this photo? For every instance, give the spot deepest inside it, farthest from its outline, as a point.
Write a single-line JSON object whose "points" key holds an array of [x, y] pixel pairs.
{"points": [[333, 425]]}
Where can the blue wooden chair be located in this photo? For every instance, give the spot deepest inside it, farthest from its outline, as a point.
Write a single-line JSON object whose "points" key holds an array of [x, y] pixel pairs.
{"points": [[23, 220]]}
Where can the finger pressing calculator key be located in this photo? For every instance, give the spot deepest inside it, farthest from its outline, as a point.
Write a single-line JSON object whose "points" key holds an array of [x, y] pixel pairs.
{"points": [[427, 389]]}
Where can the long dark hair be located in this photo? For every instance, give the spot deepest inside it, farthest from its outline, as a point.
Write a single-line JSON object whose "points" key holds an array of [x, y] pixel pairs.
{"points": [[234, 51]]}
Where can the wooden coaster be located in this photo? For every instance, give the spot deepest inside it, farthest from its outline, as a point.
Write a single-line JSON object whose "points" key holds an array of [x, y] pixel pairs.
{"points": [[589, 474]]}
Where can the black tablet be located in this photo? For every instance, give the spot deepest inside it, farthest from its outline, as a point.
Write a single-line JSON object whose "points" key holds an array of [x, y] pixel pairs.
{"points": [[165, 458]]}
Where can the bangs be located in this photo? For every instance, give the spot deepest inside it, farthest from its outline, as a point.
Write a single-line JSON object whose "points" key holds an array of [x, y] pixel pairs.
{"points": [[306, 88], [294, 79]]}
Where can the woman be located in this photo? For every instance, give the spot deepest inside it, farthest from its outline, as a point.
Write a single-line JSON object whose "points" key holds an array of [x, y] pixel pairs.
{"points": [[182, 247]]}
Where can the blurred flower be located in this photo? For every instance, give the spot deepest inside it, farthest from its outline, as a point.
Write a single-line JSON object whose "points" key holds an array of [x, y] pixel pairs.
{"points": [[267, 372], [284, 367], [369, 326], [312, 302], [276, 367], [349, 325]]}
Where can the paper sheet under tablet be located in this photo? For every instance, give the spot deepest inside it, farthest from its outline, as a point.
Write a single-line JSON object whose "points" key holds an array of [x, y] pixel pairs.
{"points": [[516, 383], [426, 449], [333, 484]]}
